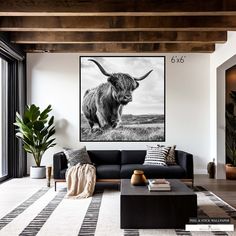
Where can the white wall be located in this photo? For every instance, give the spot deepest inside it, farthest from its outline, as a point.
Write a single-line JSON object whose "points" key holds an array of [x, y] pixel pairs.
{"points": [[222, 59], [53, 79]]}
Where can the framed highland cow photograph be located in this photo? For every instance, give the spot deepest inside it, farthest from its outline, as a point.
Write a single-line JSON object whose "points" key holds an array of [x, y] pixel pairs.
{"points": [[122, 98]]}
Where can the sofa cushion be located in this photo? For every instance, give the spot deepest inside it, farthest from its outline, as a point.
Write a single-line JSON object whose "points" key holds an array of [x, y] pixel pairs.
{"points": [[132, 156], [172, 172], [103, 172], [104, 157], [108, 171]]}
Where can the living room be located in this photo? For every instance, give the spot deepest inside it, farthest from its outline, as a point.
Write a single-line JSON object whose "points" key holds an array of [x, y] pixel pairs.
{"points": [[180, 57]]}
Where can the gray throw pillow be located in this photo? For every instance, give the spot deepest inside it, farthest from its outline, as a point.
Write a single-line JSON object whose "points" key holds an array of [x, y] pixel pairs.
{"points": [[77, 156]]}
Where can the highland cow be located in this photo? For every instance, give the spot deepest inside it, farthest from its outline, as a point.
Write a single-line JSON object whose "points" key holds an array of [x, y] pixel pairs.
{"points": [[103, 105]]}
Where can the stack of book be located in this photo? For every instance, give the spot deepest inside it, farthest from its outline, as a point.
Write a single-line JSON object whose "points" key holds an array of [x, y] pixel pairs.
{"points": [[159, 185]]}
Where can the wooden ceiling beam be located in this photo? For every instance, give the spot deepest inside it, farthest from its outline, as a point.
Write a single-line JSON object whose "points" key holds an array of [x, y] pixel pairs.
{"points": [[116, 7], [118, 23], [121, 48], [117, 37]]}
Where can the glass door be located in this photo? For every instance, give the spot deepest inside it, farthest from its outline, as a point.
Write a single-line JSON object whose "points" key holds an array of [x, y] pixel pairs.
{"points": [[3, 120]]}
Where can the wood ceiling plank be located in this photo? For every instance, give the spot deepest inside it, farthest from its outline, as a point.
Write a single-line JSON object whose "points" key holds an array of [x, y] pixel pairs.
{"points": [[118, 23], [117, 37], [126, 48], [116, 7]]}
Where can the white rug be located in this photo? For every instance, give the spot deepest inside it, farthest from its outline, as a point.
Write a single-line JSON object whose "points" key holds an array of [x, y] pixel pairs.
{"points": [[48, 213]]}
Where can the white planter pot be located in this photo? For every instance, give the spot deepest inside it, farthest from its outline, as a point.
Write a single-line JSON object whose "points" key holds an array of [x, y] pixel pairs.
{"points": [[37, 172]]}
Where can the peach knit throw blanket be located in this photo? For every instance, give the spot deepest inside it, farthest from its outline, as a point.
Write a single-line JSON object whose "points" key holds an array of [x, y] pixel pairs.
{"points": [[81, 180]]}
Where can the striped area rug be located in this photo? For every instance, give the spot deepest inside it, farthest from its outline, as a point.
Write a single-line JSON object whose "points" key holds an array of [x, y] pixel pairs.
{"points": [[48, 213]]}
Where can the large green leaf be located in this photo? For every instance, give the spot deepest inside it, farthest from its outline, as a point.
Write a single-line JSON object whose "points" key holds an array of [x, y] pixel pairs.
{"points": [[18, 117], [44, 114], [34, 112], [28, 113], [47, 144], [19, 135], [44, 132], [38, 125], [26, 131], [50, 122], [29, 141], [26, 120], [50, 133], [27, 148], [38, 136]]}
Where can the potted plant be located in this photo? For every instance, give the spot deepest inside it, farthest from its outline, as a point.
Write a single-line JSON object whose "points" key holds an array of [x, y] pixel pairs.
{"points": [[36, 129], [231, 138]]}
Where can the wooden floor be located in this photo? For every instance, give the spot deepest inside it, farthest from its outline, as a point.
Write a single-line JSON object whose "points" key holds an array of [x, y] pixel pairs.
{"points": [[225, 189]]}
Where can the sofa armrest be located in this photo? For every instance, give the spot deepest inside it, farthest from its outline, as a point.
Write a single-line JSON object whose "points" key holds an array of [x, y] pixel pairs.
{"points": [[59, 163], [185, 160]]}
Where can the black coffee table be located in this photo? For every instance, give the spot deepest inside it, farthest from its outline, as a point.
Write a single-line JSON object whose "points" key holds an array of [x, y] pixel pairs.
{"points": [[141, 209]]}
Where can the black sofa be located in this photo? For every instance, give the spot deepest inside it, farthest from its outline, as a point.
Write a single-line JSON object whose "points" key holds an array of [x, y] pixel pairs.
{"points": [[115, 165]]}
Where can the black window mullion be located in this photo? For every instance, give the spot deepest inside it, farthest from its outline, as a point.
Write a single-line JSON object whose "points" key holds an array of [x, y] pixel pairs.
{"points": [[12, 142]]}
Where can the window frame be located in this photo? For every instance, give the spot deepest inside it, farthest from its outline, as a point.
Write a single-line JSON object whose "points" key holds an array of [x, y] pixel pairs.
{"points": [[16, 93]]}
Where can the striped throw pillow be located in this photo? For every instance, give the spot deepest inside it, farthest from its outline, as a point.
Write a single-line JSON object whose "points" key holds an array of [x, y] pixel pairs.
{"points": [[156, 155]]}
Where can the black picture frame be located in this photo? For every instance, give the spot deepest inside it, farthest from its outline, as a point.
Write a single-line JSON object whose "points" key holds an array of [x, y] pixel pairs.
{"points": [[97, 135]]}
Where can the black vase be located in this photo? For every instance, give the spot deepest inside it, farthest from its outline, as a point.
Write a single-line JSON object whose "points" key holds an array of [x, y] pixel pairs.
{"points": [[211, 169]]}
